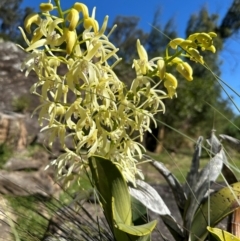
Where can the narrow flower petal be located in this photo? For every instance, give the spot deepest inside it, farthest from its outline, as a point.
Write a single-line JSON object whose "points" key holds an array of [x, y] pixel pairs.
{"points": [[30, 19]]}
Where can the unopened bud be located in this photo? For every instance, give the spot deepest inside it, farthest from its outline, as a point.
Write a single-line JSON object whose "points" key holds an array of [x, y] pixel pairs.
{"points": [[188, 44], [185, 70], [194, 54], [73, 17], [212, 34], [70, 38], [161, 68], [81, 8], [211, 48], [204, 39], [175, 42], [170, 84], [46, 7]]}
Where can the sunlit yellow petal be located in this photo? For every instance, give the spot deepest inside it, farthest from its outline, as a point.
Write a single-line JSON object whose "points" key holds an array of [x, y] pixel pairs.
{"points": [[90, 22], [30, 19], [141, 51], [37, 44], [80, 7]]}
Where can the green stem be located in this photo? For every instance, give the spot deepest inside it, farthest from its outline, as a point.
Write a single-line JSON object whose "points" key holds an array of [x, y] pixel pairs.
{"points": [[174, 56], [59, 9], [168, 60]]}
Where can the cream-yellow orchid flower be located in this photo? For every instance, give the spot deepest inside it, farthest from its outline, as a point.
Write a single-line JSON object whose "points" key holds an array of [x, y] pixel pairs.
{"points": [[142, 65]]}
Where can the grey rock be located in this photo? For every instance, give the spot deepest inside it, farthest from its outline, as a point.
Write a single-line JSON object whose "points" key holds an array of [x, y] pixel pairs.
{"points": [[12, 130], [20, 161], [18, 164], [27, 183]]}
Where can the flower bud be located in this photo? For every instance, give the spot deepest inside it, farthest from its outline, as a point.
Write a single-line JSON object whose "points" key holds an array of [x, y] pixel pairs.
{"points": [[170, 80], [170, 84], [176, 60], [175, 42], [212, 34], [211, 48], [73, 17], [70, 38], [46, 7], [185, 70], [204, 39], [194, 54], [192, 37], [188, 44], [141, 51], [81, 8], [161, 68]]}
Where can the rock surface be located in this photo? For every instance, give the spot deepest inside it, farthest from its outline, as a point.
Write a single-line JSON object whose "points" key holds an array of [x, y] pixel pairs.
{"points": [[24, 175], [13, 132], [14, 85]]}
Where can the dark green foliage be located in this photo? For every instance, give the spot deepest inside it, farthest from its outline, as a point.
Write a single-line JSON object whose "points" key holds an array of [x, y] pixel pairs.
{"points": [[231, 22], [233, 130], [5, 153]]}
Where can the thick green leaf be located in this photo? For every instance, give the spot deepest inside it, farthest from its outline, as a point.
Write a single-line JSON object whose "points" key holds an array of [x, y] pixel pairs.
{"points": [[221, 235], [140, 230], [139, 212], [222, 203], [111, 184], [116, 201]]}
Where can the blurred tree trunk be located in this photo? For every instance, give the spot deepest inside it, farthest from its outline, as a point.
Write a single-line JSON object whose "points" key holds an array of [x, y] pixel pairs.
{"points": [[160, 137]]}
